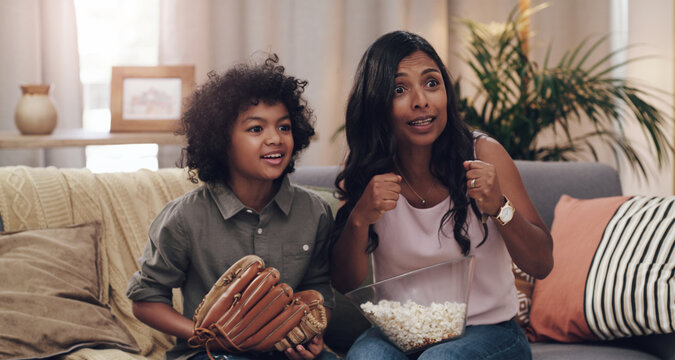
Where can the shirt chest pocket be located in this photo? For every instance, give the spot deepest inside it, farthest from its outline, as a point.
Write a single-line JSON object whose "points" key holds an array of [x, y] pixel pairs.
{"points": [[296, 261], [294, 249]]}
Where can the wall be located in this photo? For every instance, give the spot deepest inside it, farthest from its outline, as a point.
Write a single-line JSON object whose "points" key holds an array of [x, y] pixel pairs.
{"points": [[39, 45], [650, 27]]}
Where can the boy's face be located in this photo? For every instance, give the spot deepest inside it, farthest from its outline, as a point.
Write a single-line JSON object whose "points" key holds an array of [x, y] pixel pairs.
{"points": [[262, 143]]}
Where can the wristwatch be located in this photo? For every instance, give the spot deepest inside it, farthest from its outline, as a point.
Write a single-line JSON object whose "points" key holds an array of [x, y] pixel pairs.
{"points": [[505, 213]]}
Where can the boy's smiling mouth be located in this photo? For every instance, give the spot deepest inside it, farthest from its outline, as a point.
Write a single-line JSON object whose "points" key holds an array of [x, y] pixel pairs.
{"points": [[274, 158]]}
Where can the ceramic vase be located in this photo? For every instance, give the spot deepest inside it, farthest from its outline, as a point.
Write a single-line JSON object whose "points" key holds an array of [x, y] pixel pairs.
{"points": [[35, 113]]}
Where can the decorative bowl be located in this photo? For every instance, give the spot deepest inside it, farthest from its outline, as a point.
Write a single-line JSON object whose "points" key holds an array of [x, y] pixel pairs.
{"points": [[419, 308]]}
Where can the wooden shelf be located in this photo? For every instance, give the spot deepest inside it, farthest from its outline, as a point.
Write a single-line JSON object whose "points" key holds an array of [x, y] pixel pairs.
{"points": [[79, 137]]}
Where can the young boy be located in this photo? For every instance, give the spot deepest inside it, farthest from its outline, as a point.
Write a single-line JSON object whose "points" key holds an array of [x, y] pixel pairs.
{"points": [[244, 130]]}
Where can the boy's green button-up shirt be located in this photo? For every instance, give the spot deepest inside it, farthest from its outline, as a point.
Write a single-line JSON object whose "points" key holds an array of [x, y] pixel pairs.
{"points": [[198, 236]]}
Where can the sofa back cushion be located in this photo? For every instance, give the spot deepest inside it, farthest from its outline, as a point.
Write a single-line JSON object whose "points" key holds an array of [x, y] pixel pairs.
{"points": [[547, 181], [51, 294]]}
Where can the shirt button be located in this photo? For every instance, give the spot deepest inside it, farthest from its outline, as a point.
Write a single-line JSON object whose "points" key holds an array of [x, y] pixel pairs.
{"points": [[259, 231], [249, 211], [305, 247]]}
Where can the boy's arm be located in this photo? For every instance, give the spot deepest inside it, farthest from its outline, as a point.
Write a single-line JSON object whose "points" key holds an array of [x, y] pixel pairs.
{"points": [[162, 267], [163, 318], [317, 276]]}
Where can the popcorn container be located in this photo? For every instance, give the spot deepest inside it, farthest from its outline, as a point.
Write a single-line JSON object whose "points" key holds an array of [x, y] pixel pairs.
{"points": [[420, 308]]}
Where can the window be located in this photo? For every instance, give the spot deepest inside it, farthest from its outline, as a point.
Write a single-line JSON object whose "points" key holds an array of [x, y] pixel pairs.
{"points": [[124, 32]]}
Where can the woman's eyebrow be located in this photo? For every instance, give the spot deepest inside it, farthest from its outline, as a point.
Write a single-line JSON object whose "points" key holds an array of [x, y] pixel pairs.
{"points": [[430, 70]]}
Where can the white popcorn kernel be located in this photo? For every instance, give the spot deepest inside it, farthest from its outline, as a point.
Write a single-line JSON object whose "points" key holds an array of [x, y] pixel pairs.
{"points": [[411, 326]]}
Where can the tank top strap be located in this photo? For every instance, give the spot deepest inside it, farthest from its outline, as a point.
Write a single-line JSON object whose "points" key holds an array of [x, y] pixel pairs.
{"points": [[477, 134]]}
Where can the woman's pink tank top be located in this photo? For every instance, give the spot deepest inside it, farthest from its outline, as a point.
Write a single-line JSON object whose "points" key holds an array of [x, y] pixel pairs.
{"points": [[410, 239]]}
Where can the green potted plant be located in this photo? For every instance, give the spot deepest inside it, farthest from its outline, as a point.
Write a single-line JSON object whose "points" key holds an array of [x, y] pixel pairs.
{"points": [[516, 99]]}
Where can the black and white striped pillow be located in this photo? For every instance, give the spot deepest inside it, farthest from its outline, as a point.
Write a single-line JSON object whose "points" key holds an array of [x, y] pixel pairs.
{"points": [[630, 288]]}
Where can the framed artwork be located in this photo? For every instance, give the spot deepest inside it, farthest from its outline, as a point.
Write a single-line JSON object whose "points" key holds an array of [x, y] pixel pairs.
{"points": [[149, 98]]}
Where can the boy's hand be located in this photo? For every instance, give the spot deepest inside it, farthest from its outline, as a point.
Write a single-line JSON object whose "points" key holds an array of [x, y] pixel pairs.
{"points": [[307, 351], [379, 196]]}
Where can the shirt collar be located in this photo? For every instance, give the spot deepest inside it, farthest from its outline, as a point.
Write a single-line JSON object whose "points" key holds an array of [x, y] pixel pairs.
{"points": [[229, 204], [284, 197]]}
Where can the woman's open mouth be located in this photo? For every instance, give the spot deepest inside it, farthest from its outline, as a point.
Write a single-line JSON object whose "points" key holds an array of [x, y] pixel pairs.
{"points": [[422, 122]]}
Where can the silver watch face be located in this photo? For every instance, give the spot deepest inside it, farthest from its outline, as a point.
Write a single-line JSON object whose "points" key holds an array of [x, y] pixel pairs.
{"points": [[506, 214]]}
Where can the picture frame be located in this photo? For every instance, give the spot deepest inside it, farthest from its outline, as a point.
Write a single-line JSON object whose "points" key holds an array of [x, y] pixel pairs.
{"points": [[149, 98]]}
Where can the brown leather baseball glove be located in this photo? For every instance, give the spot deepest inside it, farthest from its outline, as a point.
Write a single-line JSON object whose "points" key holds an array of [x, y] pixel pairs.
{"points": [[248, 310]]}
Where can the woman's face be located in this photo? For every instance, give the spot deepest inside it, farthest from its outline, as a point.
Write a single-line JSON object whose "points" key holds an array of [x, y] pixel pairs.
{"points": [[419, 112]]}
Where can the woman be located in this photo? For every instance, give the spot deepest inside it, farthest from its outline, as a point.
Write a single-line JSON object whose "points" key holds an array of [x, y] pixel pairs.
{"points": [[419, 188]]}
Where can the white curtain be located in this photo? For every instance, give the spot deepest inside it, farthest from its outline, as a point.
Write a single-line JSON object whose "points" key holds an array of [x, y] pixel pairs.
{"points": [[38, 39], [320, 41]]}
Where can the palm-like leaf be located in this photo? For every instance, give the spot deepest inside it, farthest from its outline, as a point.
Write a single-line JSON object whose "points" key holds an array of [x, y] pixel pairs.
{"points": [[516, 100]]}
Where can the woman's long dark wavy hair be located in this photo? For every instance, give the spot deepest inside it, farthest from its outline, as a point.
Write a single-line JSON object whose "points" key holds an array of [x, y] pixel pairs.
{"points": [[214, 107], [372, 144]]}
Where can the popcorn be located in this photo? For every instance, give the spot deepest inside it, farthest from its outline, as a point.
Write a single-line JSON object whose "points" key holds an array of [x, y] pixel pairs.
{"points": [[412, 326]]}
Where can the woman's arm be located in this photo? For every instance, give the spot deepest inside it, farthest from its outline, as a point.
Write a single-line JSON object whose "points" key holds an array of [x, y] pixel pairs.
{"points": [[527, 238], [349, 258], [163, 318]]}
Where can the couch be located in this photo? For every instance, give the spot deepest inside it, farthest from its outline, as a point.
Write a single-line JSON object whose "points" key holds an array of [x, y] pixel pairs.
{"points": [[545, 182], [42, 204]]}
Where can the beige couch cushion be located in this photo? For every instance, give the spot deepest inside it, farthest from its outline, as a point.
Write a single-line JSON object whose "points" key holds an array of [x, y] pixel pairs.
{"points": [[50, 298]]}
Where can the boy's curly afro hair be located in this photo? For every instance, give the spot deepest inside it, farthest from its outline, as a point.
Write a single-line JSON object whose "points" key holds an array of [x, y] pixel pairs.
{"points": [[215, 105]]}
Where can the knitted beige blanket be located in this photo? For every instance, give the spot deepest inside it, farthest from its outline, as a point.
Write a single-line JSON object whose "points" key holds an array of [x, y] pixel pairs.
{"points": [[125, 203]]}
